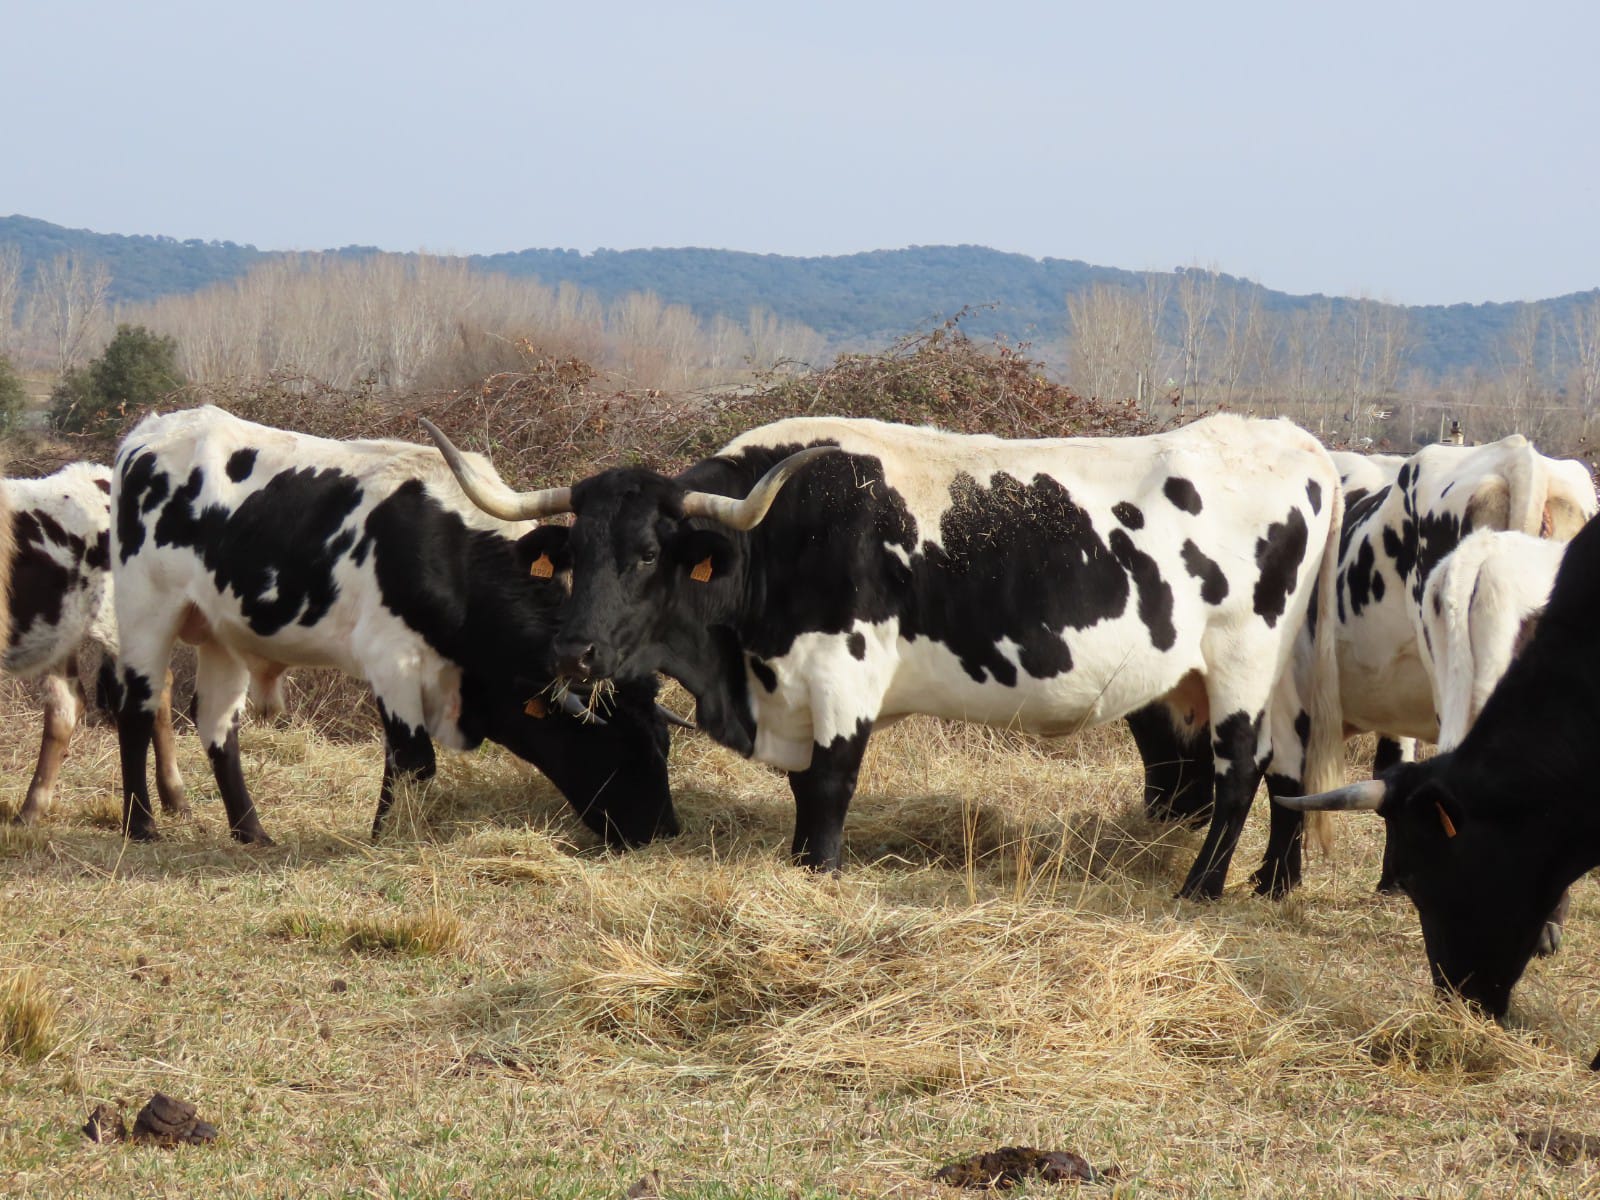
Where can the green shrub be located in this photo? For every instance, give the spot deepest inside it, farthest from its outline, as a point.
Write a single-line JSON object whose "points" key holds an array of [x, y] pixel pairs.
{"points": [[135, 371]]}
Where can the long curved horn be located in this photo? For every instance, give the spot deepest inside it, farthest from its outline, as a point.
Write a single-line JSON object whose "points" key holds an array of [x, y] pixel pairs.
{"points": [[1362, 797], [672, 718], [492, 495], [746, 514], [574, 707]]}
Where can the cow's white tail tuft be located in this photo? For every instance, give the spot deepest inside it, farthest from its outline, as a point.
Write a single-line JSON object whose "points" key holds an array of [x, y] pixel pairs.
{"points": [[8, 551], [1323, 769]]}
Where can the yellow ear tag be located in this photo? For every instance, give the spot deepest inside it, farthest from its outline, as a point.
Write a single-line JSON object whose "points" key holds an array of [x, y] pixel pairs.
{"points": [[702, 570], [1445, 821], [543, 568], [535, 708]]}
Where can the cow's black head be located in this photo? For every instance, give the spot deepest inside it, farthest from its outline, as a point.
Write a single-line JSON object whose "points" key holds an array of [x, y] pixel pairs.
{"points": [[645, 578], [657, 567], [1482, 886]]}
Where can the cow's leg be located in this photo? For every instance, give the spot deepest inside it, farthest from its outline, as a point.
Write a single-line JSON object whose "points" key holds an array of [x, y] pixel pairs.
{"points": [[822, 797], [407, 752], [61, 708], [1279, 872], [1390, 753], [1393, 751], [1550, 937], [1177, 773], [219, 688], [142, 660], [1241, 747], [169, 782]]}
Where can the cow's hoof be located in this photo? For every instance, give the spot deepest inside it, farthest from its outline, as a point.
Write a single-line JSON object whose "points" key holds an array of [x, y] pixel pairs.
{"points": [[176, 806], [1549, 940], [23, 817], [252, 837], [143, 833], [1171, 816], [1274, 883], [1203, 890], [1388, 887]]}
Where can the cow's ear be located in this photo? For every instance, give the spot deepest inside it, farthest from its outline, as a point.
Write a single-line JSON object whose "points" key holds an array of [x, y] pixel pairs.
{"points": [[1435, 808], [543, 553], [703, 554]]}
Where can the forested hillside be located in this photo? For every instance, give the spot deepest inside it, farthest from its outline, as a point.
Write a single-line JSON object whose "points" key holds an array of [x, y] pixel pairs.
{"points": [[853, 300]]}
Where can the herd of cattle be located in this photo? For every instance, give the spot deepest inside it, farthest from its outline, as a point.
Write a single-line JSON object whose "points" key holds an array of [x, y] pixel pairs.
{"points": [[1243, 598]]}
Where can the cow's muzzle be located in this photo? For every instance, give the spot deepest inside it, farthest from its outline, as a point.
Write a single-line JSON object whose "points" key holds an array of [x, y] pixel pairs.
{"points": [[576, 659]]}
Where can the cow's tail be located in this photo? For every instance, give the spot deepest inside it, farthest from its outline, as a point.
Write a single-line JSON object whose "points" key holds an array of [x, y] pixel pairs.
{"points": [[1527, 484], [8, 552], [1451, 643], [1323, 769]]}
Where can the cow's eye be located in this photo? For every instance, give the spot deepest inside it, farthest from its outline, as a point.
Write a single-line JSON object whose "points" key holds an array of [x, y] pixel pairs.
{"points": [[647, 558]]}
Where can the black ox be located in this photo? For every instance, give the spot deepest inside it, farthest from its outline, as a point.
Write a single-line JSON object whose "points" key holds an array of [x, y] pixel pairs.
{"points": [[1485, 838]]}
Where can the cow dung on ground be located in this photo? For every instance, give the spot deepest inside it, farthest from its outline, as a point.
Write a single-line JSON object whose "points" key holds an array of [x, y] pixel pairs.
{"points": [[163, 1121], [166, 1121], [106, 1124], [1562, 1145], [1011, 1165]]}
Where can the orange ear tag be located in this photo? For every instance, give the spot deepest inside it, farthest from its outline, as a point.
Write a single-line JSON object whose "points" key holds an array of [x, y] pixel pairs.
{"points": [[1445, 821], [535, 708], [702, 570], [543, 568]]}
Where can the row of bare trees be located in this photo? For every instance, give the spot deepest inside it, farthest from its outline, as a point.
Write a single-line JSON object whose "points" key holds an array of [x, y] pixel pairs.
{"points": [[1196, 338], [1193, 338], [409, 321], [396, 321]]}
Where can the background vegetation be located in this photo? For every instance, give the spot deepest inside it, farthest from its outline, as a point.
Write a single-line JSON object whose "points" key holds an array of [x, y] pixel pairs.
{"points": [[1357, 368]]}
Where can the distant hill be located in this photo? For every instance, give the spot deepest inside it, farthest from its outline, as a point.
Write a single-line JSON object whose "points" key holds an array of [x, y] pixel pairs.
{"points": [[854, 299]]}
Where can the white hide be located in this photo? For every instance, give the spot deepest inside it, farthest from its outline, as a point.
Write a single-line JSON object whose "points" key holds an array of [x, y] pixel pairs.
{"points": [[1472, 619]]}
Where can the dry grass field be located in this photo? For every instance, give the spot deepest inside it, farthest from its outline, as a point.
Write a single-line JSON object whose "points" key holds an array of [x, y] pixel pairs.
{"points": [[484, 1005]]}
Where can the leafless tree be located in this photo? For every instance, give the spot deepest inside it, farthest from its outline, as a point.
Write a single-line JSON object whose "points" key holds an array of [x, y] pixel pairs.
{"points": [[68, 304], [1583, 341], [10, 294], [1242, 332], [1103, 331], [1197, 298], [1307, 345]]}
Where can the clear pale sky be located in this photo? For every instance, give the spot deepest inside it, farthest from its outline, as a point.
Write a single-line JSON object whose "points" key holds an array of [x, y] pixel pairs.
{"points": [[1423, 153]]}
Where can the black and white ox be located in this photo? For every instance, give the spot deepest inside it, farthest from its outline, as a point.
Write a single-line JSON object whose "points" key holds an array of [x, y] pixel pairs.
{"points": [[57, 541], [1178, 770], [1486, 837], [819, 577], [1395, 535], [268, 549]]}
